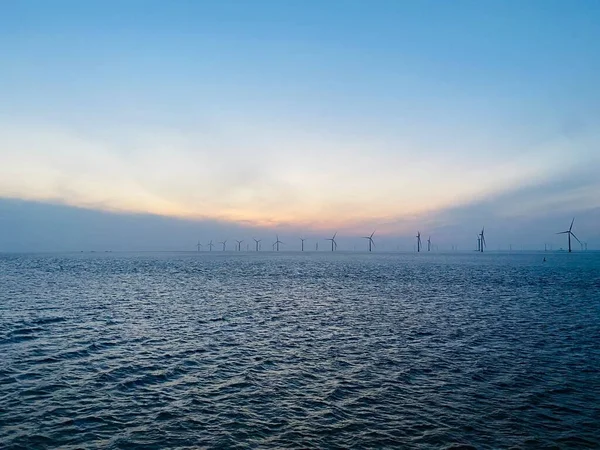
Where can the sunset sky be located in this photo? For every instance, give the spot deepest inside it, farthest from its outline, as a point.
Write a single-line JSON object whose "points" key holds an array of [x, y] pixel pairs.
{"points": [[304, 116]]}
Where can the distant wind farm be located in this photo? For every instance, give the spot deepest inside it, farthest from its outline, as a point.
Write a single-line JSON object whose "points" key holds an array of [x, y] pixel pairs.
{"points": [[481, 245]]}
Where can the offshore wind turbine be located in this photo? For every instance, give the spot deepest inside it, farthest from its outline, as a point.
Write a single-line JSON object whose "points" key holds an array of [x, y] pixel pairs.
{"points": [[257, 242], [371, 242], [482, 241], [418, 236], [239, 245], [333, 243], [302, 239], [277, 242], [224, 243], [429, 244], [198, 245], [570, 233], [210, 246]]}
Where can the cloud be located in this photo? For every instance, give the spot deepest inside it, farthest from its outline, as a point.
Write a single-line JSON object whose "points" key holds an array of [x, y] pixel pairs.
{"points": [[529, 215], [250, 173], [36, 226]]}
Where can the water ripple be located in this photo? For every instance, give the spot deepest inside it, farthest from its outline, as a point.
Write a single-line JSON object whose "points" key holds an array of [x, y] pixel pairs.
{"points": [[299, 351]]}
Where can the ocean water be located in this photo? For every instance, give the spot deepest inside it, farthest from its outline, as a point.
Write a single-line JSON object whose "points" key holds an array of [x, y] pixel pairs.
{"points": [[290, 350]]}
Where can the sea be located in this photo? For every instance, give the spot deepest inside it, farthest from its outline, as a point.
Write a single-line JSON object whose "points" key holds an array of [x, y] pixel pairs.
{"points": [[252, 350]]}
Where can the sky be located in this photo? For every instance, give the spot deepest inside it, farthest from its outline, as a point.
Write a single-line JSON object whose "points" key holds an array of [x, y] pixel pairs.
{"points": [[211, 120]]}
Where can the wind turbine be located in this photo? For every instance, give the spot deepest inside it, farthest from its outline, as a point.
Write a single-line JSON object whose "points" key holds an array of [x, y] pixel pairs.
{"points": [[570, 233], [333, 243], [277, 242], [418, 236], [302, 239], [224, 243], [371, 242], [210, 246], [257, 242], [429, 244], [482, 242], [198, 245], [239, 245]]}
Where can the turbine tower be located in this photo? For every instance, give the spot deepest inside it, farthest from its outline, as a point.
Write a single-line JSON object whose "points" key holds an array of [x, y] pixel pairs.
{"points": [[277, 242], [239, 245], [198, 245], [333, 243], [210, 246], [224, 243], [371, 242], [257, 242], [302, 239], [429, 244], [570, 233], [418, 236], [482, 244]]}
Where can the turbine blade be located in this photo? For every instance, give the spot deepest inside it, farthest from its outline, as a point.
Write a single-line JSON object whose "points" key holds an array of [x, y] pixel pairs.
{"points": [[563, 232], [573, 234], [571, 227]]}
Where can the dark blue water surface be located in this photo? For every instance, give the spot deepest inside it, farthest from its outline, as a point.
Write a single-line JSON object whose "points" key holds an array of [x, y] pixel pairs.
{"points": [[299, 350]]}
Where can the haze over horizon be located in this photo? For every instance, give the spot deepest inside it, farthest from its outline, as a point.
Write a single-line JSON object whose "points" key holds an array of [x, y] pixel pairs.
{"points": [[150, 125]]}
